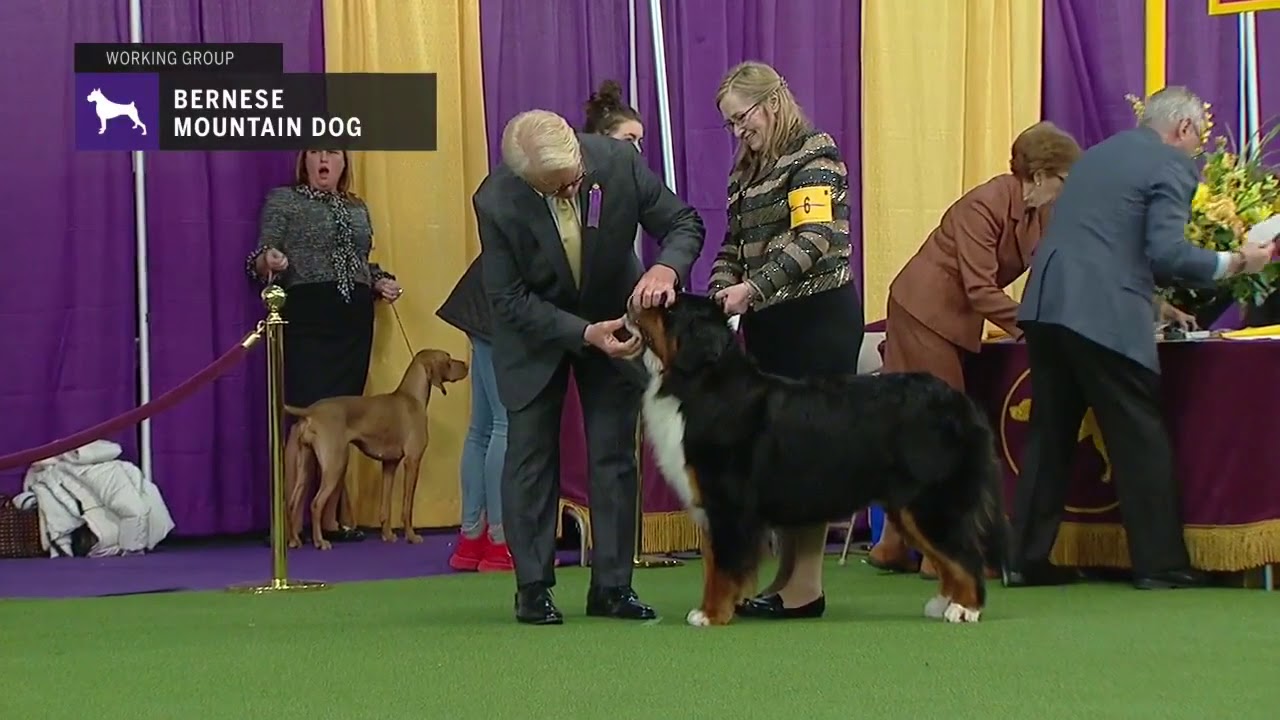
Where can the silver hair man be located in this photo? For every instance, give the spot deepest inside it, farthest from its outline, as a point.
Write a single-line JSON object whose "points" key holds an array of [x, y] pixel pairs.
{"points": [[542, 149], [1177, 115]]}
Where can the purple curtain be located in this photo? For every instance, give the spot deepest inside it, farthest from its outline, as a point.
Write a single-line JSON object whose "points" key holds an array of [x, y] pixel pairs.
{"points": [[814, 44], [1203, 53], [202, 216], [1093, 57], [550, 55], [67, 311]]}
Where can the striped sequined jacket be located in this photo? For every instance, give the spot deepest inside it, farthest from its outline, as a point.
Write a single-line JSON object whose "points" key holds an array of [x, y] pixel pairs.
{"points": [[788, 233]]}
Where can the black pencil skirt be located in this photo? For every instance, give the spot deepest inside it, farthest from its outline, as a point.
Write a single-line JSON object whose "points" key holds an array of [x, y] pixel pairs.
{"points": [[811, 336], [327, 342]]}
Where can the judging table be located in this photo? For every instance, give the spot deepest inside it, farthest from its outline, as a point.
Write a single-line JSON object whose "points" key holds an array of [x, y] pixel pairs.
{"points": [[1221, 399]]}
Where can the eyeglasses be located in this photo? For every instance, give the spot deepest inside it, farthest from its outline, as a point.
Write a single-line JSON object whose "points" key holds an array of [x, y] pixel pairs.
{"points": [[582, 174], [737, 120]]}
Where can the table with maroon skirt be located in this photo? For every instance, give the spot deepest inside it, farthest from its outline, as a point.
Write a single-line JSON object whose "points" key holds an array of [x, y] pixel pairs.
{"points": [[1220, 406]]}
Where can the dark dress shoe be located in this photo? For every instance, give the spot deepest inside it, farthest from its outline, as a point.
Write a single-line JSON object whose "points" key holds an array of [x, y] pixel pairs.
{"points": [[617, 602], [1171, 579], [534, 607], [770, 607], [1039, 576]]}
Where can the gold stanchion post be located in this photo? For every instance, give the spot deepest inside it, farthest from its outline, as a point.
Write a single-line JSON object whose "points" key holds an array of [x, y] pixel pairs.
{"points": [[273, 296], [638, 559]]}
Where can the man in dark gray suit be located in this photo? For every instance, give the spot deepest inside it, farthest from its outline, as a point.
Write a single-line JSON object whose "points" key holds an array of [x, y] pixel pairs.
{"points": [[1088, 316], [557, 221]]}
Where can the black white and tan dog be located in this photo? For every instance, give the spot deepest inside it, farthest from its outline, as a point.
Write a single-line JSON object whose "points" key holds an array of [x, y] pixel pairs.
{"points": [[748, 451]]}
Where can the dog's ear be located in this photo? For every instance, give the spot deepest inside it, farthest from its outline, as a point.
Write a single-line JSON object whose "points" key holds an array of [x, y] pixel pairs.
{"points": [[437, 371], [699, 344]]}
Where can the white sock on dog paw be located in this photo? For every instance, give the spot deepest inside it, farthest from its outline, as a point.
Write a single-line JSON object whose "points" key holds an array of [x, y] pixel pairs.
{"points": [[697, 618], [956, 613], [936, 607]]}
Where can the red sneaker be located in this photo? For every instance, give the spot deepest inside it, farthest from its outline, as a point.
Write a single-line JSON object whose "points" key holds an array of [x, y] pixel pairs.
{"points": [[497, 558], [469, 552]]}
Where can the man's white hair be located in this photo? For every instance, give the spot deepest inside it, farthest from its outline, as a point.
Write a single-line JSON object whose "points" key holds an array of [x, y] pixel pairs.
{"points": [[1170, 106], [539, 141]]}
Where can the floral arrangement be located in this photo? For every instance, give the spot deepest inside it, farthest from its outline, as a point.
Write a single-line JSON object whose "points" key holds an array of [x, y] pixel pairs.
{"points": [[1236, 192]]}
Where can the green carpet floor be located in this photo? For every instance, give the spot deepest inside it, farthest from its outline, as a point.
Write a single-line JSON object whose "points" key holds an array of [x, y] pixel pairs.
{"points": [[447, 648]]}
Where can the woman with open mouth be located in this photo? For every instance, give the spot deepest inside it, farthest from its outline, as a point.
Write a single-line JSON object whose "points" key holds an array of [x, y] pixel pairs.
{"points": [[315, 240]]}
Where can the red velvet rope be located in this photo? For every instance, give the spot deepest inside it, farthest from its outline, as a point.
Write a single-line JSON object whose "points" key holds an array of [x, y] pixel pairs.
{"points": [[132, 417]]}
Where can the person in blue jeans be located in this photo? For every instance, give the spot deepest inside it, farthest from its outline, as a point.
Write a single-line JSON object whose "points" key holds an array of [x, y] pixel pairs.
{"points": [[481, 544]]}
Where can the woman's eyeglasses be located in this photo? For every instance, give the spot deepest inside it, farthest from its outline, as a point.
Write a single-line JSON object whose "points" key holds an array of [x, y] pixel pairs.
{"points": [[737, 120]]}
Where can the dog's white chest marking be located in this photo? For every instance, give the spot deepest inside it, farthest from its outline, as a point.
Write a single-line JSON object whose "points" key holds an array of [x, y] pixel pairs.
{"points": [[664, 429]]}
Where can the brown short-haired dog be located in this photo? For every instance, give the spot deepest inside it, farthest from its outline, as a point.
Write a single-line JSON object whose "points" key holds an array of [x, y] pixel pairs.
{"points": [[391, 428]]}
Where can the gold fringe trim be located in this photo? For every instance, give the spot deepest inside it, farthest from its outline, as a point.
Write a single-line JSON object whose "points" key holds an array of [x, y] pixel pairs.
{"points": [[1220, 548], [663, 532]]}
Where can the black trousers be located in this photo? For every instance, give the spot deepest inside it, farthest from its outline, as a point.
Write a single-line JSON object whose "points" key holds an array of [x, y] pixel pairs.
{"points": [[531, 472], [1069, 374]]}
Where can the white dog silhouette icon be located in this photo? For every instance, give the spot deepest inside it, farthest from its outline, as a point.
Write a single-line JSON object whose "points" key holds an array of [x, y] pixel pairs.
{"points": [[108, 110]]}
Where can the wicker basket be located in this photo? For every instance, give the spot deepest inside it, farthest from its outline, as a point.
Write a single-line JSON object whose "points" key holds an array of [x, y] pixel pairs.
{"points": [[19, 531]]}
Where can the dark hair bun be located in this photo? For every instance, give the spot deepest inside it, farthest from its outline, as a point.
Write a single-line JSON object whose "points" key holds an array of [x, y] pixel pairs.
{"points": [[608, 97]]}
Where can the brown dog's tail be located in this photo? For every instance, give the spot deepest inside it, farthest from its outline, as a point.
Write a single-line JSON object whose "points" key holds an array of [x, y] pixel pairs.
{"points": [[297, 411]]}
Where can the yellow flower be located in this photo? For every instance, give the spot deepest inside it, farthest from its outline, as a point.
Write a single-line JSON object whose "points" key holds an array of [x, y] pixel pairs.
{"points": [[1201, 197], [1255, 215], [1221, 210]]}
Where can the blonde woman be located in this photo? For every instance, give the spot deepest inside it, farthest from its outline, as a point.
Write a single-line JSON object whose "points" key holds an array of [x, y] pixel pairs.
{"points": [[784, 268]]}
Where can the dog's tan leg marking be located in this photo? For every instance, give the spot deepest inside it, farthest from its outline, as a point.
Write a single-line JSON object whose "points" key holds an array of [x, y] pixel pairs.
{"points": [[332, 458], [388, 479], [411, 464], [719, 591], [955, 583]]}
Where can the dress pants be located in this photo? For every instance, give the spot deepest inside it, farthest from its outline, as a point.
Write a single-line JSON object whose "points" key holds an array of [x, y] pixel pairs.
{"points": [[531, 473], [1070, 373]]}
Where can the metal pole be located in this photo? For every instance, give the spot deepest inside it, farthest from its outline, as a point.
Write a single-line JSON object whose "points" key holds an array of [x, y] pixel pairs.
{"points": [[634, 93], [1250, 100], [274, 298], [140, 259], [664, 93]]}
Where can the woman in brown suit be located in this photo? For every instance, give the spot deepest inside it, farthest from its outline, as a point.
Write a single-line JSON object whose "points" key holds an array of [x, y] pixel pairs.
{"points": [[938, 302]]}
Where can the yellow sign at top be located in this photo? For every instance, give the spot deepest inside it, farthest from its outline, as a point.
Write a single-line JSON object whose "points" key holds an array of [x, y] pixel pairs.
{"points": [[1235, 7]]}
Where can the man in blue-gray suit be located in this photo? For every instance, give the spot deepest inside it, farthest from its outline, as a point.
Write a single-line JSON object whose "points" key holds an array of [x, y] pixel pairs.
{"points": [[1088, 316]]}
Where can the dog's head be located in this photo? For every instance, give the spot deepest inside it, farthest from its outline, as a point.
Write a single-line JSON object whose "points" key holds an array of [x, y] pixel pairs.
{"points": [[95, 95], [440, 368], [688, 336]]}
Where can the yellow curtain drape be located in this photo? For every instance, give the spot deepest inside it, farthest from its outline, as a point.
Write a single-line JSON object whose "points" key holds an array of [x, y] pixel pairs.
{"points": [[946, 86], [424, 230]]}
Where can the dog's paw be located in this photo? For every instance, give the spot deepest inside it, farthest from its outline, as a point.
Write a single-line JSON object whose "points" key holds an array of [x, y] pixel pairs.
{"points": [[956, 613], [324, 545], [413, 539], [937, 606], [389, 537], [295, 543], [697, 618]]}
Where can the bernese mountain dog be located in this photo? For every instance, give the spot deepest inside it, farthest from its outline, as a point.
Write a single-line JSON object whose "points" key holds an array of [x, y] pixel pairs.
{"points": [[748, 451]]}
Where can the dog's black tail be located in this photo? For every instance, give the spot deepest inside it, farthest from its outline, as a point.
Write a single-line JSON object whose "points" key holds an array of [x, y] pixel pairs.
{"points": [[983, 467]]}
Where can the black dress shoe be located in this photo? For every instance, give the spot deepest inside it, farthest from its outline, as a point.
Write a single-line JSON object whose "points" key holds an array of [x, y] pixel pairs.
{"points": [[1039, 576], [1171, 579], [534, 607], [770, 607], [617, 602]]}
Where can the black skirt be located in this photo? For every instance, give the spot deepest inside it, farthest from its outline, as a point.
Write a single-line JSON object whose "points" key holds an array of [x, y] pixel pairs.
{"points": [[327, 342], [811, 336]]}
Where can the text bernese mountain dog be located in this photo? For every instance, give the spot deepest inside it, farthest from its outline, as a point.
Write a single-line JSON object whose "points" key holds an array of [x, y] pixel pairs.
{"points": [[747, 451]]}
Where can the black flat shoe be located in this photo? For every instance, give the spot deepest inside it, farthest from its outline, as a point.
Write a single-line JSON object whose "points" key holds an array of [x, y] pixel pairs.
{"points": [[620, 603], [535, 607], [770, 607], [1171, 579], [1039, 576]]}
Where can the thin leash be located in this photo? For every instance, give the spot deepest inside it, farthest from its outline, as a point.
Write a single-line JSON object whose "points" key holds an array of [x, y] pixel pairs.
{"points": [[407, 345]]}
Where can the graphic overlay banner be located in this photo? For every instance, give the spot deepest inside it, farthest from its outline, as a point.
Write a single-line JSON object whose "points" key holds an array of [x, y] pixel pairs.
{"points": [[175, 57], [355, 111], [1235, 7]]}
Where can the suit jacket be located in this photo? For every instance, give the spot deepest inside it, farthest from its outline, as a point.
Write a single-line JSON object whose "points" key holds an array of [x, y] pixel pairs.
{"points": [[467, 307], [983, 242], [538, 313], [1117, 227]]}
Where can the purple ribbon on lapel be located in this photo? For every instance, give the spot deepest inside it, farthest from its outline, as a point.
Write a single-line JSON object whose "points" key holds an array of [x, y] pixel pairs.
{"points": [[594, 200]]}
